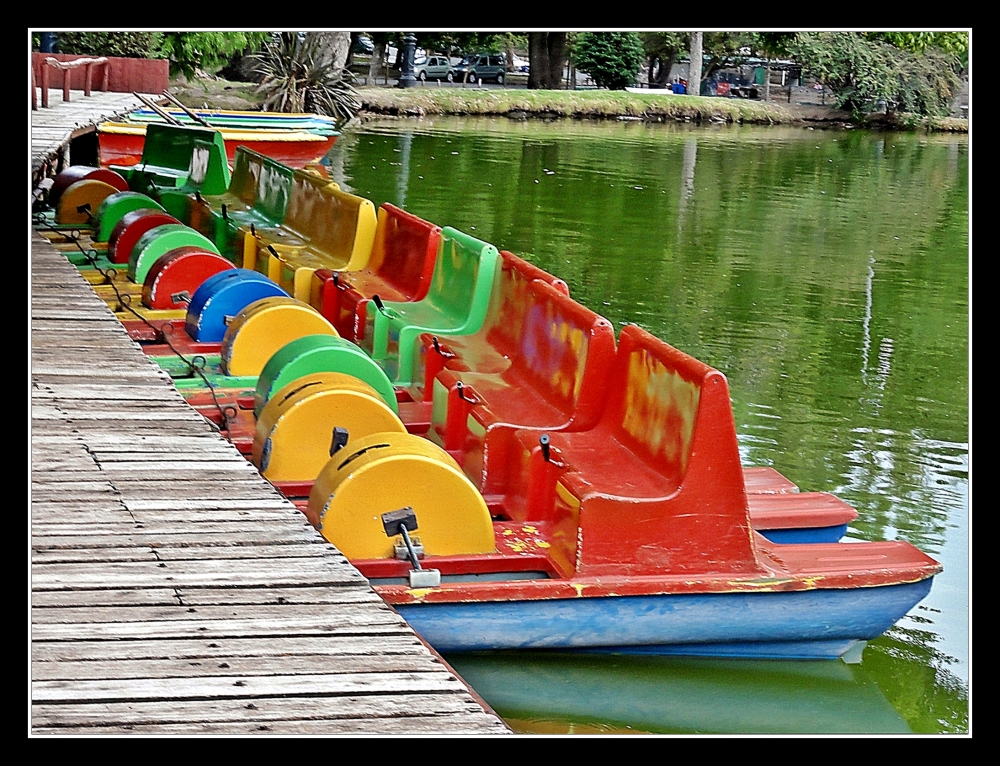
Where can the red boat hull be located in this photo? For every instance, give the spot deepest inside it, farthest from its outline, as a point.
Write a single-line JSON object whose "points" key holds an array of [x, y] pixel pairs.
{"points": [[124, 149]]}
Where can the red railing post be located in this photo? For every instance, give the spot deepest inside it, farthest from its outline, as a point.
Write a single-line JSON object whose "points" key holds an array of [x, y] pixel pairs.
{"points": [[45, 84], [34, 91], [67, 68]]}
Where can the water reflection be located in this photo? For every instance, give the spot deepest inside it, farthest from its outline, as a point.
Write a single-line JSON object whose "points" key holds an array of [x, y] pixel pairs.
{"points": [[825, 273], [687, 180], [538, 692]]}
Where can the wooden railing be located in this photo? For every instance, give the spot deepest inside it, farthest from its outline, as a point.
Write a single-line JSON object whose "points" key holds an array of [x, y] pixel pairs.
{"points": [[67, 67]]}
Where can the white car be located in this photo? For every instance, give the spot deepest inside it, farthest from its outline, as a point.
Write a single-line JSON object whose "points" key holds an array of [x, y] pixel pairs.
{"points": [[433, 68]]}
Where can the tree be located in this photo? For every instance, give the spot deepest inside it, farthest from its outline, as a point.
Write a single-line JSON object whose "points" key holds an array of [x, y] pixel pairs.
{"points": [[191, 51], [724, 50], [771, 45], [507, 41], [865, 70], [547, 54], [697, 59], [612, 59], [955, 43], [662, 50]]}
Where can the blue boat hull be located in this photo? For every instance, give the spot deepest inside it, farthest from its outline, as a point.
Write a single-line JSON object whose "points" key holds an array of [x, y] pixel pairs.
{"points": [[789, 624], [831, 534]]}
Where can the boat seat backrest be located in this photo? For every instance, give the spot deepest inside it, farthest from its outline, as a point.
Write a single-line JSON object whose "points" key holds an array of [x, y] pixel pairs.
{"points": [[333, 222], [509, 302], [544, 367], [404, 251], [454, 288], [561, 350], [661, 398], [399, 268], [208, 172], [307, 205], [244, 182], [272, 188], [174, 153]]}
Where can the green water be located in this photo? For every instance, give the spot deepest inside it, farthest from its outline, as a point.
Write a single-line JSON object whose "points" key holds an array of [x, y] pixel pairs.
{"points": [[826, 273]]}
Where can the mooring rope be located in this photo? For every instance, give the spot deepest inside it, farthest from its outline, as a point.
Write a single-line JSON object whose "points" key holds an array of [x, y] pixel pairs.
{"points": [[195, 365]]}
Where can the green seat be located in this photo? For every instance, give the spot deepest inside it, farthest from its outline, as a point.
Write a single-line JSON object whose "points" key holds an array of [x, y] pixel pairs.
{"points": [[175, 157], [258, 194], [456, 304]]}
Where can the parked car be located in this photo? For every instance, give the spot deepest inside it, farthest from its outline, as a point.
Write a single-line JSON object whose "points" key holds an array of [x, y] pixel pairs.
{"points": [[364, 46], [480, 67], [433, 68]]}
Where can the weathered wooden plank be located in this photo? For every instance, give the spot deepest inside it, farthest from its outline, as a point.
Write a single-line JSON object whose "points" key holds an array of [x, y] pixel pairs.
{"points": [[386, 642], [323, 570], [96, 536], [103, 514], [215, 504], [360, 621], [198, 516], [242, 487], [97, 489], [268, 612], [125, 668], [348, 714], [346, 594], [414, 725], [55, 445], [180, 553], [243, 687]]}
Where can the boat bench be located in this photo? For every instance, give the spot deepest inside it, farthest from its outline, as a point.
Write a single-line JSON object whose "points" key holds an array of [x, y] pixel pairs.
{"points": [[542, 365], [456, 303], [324, 228], [257, 196], [658, 481], [399, 269], [487, 349], [180, 158]]}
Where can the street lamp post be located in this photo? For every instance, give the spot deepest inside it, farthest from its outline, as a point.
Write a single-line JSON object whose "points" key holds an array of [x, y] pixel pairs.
{"points": [[406, 78]]}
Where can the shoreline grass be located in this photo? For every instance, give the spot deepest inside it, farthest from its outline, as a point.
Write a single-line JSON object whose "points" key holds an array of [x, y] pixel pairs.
{"points": [[595, 104], [657, 106], [558, 103]]}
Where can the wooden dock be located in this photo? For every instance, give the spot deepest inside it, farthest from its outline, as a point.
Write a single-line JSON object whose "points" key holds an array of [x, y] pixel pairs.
{"points": [[53, 129], [173, 590]]}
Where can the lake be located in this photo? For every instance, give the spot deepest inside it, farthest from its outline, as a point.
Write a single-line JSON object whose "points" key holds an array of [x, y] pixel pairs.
{"points": [[826, 274]]}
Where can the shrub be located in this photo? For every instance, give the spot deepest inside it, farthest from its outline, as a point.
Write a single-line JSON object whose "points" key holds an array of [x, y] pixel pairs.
{"points": [[612, 59], [138, 45], [297, 78]]}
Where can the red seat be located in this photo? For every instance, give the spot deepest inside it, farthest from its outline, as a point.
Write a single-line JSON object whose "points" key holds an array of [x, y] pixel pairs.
{"points": [[658, 482], [543, 364], [399, 269]]}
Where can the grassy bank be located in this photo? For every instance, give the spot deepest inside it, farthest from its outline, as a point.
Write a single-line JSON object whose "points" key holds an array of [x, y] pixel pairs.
{"points": [[520, 103], [658, 106]]}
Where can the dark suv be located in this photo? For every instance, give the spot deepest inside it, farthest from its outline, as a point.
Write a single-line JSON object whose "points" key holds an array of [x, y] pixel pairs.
{"points": [[481, 67]]}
